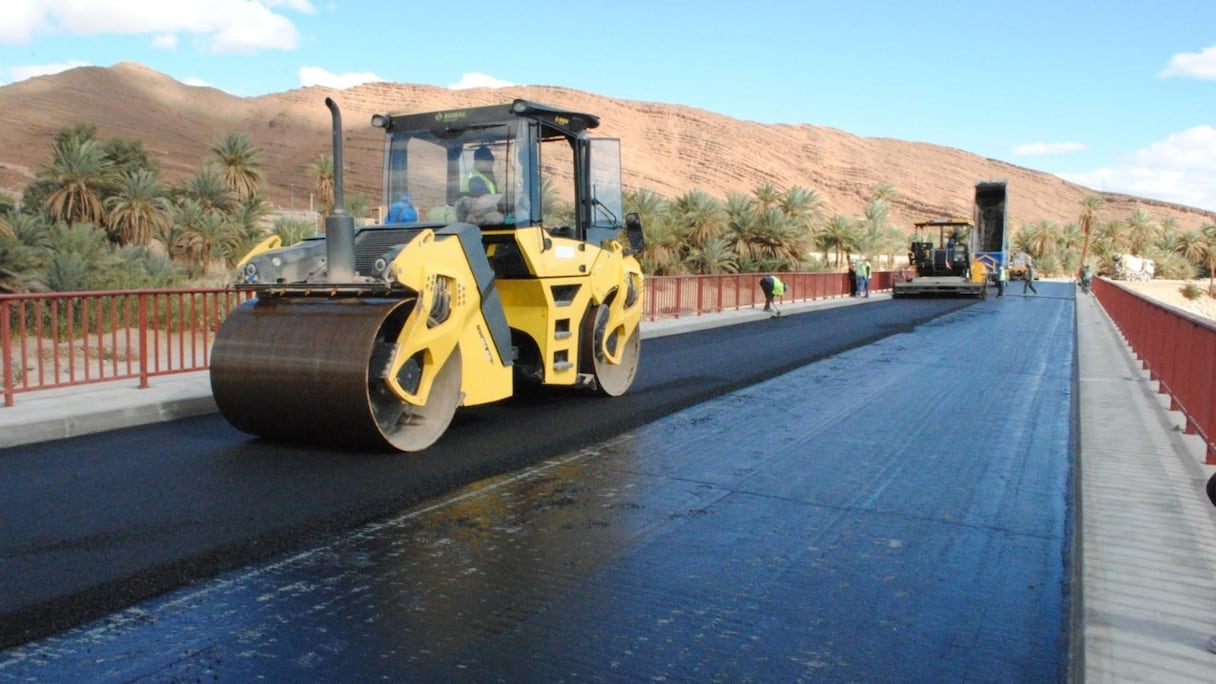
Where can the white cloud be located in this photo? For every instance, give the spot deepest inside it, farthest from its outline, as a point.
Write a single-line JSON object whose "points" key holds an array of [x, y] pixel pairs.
{"points": [[220, 26], [479, 80], [197, 82], [22, 18], [1180, 169], [1048, 148], [20, 73], [316, 76], [166, 41], [1193, 64], [303, 6]]}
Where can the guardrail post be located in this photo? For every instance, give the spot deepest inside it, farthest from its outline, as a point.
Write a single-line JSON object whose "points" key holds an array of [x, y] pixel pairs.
{"points": [[6, 347], [143, 340]]}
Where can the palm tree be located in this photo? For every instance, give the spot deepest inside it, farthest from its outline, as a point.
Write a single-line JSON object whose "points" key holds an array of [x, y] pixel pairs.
{"points": [[322, 172], [212, 237], [140, 209], [1110, 237], [554, 210], [1038, 239], [138, 267], [1209, 236], [776, 236], [293, 230], [179, 237], [1192, 245], [648, 205], [665, 246], [1070, 237], [701, 215], [885, 192], [803, 205], [1169, 242], [1141, 230], [889, 241], [24, 252], [840, 235], [250, 223], [1169, 226], [767, 195], [70, 271], [78, 173], [739, 207], [207, 187], [741, 225], [81, 257], [805, 208], [1091, 208], [239, 163], [714, 256]]}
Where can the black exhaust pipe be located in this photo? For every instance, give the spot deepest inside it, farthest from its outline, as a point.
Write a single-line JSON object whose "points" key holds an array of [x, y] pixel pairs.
{"points": [[339, 227]]}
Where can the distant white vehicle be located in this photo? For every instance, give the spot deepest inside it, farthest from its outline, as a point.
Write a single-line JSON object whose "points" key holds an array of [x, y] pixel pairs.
{"points": [[1130, 267]]}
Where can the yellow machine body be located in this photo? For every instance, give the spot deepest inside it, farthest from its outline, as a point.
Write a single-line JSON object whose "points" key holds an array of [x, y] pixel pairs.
{"points": [[375, 336]]}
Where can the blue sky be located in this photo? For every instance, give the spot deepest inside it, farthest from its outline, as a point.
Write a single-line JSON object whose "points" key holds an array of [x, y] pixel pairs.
{"points": [[1117, 95]]}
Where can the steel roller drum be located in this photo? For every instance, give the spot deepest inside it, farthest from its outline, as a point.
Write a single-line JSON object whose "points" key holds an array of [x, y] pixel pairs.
{"points": [[302, 370]]}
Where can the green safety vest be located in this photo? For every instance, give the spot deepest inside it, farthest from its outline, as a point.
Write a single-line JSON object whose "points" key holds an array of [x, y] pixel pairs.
{"points": [[464, 184]]}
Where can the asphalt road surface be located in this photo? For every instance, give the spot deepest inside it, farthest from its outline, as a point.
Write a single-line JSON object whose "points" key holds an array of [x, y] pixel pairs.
{"points": [[93, 524]]}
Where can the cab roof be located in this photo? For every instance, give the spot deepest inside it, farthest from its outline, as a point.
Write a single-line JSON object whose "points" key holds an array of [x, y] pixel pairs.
{"points": [[553, 119], [943, 222]]}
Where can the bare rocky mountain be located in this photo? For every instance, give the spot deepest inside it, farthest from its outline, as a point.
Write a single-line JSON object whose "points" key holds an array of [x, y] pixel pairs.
{"points": [[668, 149]]}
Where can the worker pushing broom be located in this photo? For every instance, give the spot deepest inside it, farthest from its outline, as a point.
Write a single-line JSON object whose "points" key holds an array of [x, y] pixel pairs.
{"points": [[772, 287]]}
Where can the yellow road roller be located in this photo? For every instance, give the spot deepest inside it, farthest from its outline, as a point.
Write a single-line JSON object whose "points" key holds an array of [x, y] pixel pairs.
{"points": [[504, 257]]}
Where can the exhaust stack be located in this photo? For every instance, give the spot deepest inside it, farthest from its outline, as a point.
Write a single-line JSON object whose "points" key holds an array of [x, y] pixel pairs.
{"points": [[339, 226]]}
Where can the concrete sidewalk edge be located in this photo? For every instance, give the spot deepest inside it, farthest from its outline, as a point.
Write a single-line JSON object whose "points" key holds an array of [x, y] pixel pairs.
{"points": [[1145, 572]]}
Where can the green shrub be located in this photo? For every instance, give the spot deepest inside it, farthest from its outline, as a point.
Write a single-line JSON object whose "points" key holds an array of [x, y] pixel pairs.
{"points": [[1191, 291]]}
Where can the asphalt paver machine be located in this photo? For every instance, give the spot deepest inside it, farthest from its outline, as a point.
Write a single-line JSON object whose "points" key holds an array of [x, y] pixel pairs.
{"points": [[943, 256]]}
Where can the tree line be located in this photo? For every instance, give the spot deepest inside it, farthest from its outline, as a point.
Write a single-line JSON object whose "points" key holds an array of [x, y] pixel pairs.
{"points": [[98, 215]]}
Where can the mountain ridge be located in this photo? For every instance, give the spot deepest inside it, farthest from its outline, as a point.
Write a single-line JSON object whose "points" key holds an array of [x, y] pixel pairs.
{"points": [[669, 149]]}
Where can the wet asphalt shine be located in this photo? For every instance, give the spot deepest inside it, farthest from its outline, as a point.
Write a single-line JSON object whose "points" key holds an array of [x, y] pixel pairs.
{"points": [[870, 493]]}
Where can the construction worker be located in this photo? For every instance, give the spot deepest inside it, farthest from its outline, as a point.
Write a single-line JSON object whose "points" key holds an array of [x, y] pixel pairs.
{"points": [[480, 180], [1087, 278], [1029, 282], [772, 287], [402, 211]]}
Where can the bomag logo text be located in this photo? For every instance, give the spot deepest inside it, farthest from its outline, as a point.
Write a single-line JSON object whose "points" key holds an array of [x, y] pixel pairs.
{"points": [[450, 116], [485, 344]]}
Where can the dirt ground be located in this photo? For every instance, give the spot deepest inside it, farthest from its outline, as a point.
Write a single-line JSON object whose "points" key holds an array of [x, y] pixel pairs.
{"points": [[1170, 292]]}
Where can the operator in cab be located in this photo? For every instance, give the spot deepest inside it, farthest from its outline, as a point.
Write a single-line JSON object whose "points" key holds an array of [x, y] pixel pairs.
{"points": [[480, 180]]}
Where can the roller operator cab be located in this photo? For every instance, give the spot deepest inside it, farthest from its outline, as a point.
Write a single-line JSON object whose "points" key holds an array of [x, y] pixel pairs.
{"points": [[505, 256]]}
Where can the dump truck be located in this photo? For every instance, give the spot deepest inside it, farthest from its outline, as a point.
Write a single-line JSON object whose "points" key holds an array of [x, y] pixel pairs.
{"points": [[943, 257], [991, 240], [374, 336], [1019, 263]]}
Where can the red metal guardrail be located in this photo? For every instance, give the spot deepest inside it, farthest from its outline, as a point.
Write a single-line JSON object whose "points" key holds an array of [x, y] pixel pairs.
{"points": [[693, 295], [1177, 348], [66, 339]]}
